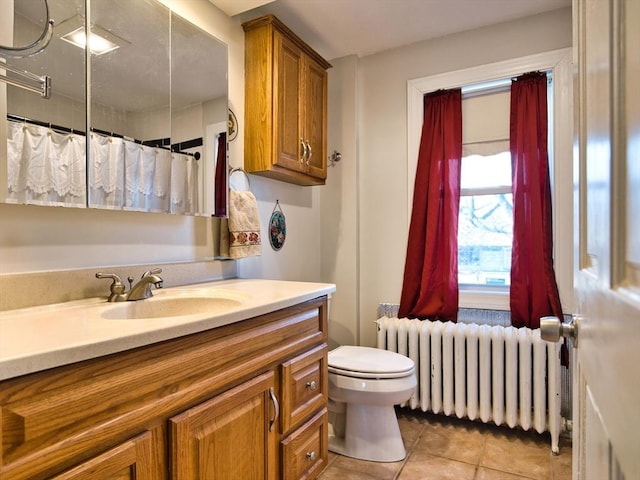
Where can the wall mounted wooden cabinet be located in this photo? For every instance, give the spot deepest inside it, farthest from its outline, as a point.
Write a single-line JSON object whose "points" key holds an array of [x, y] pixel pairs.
{"points": [[247, 400], [285, 105]]}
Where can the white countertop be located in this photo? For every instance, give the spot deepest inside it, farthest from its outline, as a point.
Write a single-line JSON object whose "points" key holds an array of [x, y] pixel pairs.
{"points": [[38, 338]]}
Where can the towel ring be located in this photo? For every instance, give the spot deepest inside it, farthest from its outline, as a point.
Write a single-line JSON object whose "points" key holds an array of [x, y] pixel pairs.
{"points": [[241, 170]]}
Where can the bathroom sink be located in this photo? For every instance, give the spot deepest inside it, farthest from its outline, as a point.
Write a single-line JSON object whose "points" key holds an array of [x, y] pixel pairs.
{"points": [[161, 307]]}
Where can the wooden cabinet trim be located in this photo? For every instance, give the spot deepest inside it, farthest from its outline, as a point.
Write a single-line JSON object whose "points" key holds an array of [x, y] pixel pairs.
{"points": [[132, 459], [274, 22]]}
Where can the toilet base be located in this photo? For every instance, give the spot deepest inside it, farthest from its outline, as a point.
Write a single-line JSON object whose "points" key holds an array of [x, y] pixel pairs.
{"points": [[371, 432]]}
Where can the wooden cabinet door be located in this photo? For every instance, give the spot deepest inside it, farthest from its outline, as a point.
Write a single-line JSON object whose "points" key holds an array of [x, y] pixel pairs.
{"points": [[232, 436], [132, 460], [314, 114], [287, 83]]}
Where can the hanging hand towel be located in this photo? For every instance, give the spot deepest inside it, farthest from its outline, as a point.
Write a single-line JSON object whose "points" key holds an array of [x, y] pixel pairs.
{"points": [[240, 234]]}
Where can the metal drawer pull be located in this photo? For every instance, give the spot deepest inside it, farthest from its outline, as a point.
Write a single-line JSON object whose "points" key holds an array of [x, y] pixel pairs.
{"points": [[312, 385], [304, 150], [310, 154], [276, 409], [311, 456]]}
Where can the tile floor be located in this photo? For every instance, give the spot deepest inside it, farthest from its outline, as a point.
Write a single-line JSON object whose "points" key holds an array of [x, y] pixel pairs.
{"points": [[440, 448]]}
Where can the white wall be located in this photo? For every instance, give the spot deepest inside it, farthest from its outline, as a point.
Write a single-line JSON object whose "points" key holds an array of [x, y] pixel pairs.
{"points": [[351, 232], [299, 257], [381, 191], [340, 256]]}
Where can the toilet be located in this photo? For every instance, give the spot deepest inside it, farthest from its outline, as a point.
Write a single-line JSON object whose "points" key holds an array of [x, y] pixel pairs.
{"points": [[364, 385]]}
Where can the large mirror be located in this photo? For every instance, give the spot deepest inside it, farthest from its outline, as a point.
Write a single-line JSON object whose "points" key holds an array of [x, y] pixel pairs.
{"points": [[154, 90]]}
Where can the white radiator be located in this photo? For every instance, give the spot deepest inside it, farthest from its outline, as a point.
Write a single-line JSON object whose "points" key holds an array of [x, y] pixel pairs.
{"points": [[505, 375]]}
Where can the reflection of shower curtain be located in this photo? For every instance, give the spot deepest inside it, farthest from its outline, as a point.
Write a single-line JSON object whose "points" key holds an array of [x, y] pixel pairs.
{"points": [[45, 167], [161, 183], [106, 175], [184, 184], [140, 174]]}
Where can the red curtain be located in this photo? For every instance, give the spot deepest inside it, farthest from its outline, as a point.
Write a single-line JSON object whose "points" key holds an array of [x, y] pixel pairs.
{"points": [[534, 292], [220, 179], [430, 286]]}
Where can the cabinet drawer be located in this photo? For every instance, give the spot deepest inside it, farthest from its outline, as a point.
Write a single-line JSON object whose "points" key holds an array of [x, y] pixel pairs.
{"points": [[305, 452], [304, 386]]}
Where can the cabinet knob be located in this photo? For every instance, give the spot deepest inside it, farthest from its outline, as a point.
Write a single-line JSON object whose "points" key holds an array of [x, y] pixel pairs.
{"points": [[311, 456], [312, 385]]}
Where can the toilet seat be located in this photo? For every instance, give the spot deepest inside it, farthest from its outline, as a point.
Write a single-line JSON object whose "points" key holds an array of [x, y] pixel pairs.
{"points": [[369, 363]]}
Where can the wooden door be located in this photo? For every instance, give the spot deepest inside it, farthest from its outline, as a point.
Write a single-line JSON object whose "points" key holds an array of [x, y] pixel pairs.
{"points": [[606, 376], [287, 90], [232, 436], [132, 460], [315, 117]]}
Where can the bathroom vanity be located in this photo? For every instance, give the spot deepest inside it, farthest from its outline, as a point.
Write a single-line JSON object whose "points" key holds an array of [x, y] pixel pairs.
{"points": [[237, 393]]}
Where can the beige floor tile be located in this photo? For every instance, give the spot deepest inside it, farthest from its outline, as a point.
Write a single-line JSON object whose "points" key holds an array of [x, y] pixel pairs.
{"points": [[421, 466], [336, 473], [489, 474], [561, 464], [411, 431], [378, 470], [441, 447], [454, 439], [518, 452]]}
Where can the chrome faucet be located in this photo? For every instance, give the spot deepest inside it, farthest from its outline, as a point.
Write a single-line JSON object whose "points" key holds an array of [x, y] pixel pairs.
{"points": [[139, 291], [142, 289]]}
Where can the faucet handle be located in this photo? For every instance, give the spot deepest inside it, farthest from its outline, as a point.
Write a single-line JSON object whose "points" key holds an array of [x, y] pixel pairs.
{"points": [[153, 271], [117, 287]]}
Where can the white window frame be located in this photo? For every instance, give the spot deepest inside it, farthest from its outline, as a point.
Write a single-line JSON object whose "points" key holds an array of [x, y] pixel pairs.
{"points": [[559, 62]]}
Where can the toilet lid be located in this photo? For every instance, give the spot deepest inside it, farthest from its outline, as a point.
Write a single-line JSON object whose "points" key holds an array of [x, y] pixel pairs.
{"points": [[367, 362]]}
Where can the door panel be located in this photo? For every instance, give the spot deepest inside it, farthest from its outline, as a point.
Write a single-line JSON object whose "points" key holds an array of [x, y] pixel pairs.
{"points": [[287, 85], [315, 116], [608, 250]]}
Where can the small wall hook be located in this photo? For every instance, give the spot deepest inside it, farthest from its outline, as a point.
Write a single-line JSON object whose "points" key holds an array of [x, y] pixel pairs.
{"points": [[334, 158]]}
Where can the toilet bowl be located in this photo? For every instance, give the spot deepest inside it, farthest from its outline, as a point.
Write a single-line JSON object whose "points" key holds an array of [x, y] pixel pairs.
{"points": [[364, 385]]}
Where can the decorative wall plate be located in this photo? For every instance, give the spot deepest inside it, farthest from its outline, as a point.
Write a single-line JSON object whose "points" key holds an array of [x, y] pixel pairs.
{"points": [[233, 126], [277, 228]]}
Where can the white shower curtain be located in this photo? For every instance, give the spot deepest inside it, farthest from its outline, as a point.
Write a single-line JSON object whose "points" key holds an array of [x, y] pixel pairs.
{"points": [[45, 167]]}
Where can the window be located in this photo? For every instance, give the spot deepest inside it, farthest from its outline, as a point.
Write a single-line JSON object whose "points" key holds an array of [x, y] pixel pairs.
{"points": [[485, 226], [558, 62], [485, 223], [486, 220]]}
